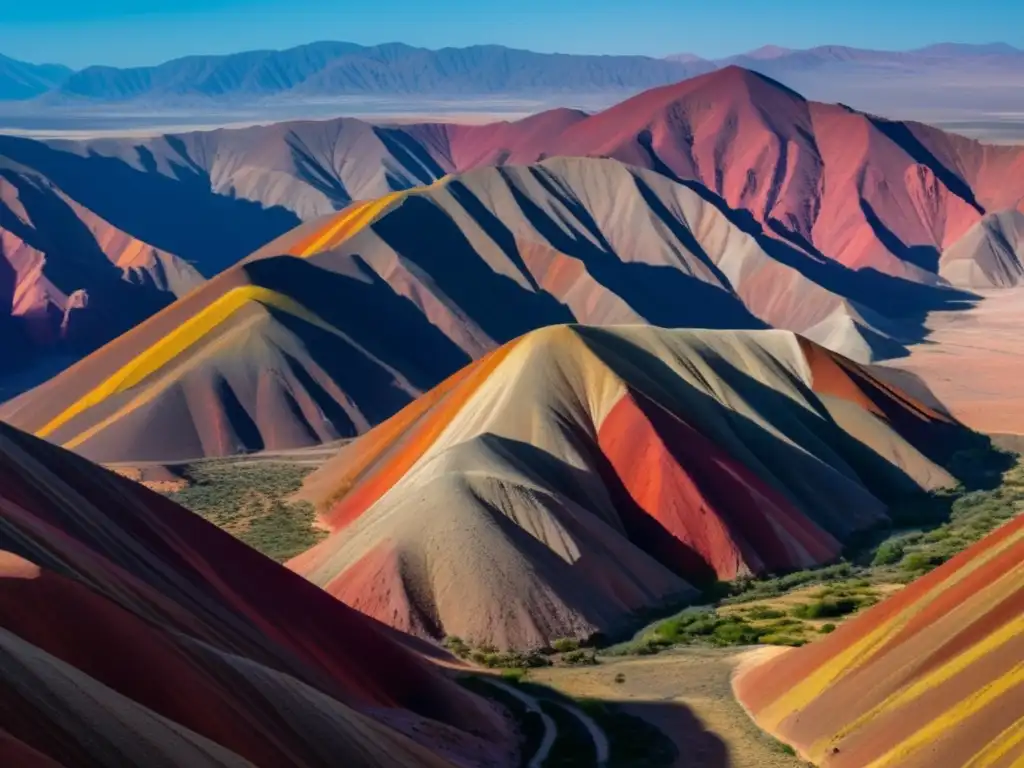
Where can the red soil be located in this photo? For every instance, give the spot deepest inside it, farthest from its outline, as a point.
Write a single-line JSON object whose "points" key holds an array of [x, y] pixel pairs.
{"points": [[718, 508], [145, 597]]}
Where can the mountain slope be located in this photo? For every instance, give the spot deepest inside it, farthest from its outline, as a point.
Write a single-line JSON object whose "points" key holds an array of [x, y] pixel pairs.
{"points": [[167, 642], [20, 80], [867, 192], [854, 209], [69, 281], [394, 68], [578, 474], [365, 313], [989, 254], [932, 676]]}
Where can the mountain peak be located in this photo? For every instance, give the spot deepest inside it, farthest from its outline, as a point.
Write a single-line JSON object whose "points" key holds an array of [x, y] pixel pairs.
{"points": [[768, 52]]}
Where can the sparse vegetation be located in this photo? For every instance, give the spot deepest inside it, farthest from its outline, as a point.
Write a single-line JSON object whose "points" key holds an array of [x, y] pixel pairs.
{"points": [[248, 499], [565, 644], [790, 609]]}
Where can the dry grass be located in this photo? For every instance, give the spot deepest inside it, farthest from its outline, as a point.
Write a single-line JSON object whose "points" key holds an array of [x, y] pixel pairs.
{"points": [[686, 694]]}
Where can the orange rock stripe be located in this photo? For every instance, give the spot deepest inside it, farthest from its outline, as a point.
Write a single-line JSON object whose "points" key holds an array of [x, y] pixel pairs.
{"points": [[412, 431]]}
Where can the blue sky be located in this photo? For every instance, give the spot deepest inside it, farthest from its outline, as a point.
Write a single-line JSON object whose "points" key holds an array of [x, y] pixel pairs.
{"points": [[117, 32]]}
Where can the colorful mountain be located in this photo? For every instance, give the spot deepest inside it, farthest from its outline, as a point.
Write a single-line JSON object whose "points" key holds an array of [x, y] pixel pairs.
{"points": [[869, 209], [132, 632], [847, 186], [365, 313], [578, 474], [932, 676], [69, 280]]}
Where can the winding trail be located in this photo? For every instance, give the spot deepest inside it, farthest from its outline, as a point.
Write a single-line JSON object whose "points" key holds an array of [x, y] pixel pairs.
{"points": [[531, 704], [601, 746]]}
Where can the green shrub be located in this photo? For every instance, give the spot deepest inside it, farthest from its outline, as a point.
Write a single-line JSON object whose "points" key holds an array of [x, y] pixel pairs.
{"points": [[763, 612], [827, 609], [773, 639], [565, 644], [889, 553], [735, 634], [922, 562], [457, 646], [827, 628], [580, 658]]}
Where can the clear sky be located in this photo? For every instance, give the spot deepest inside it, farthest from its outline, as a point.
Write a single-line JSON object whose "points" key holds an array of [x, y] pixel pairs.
{"points": [[120, 33]]}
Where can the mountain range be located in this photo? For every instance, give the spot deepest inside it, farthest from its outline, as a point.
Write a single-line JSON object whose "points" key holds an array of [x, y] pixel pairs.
{"points": [[764, 211], [336, 68], [557, 374], [20, 80]]}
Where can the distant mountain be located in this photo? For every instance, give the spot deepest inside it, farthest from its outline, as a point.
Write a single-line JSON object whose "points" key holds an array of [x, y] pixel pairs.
{"points": [[833, 73], [967, 49], [20, 80], [837, 223], [781, 59], [346, 68], [769, 52]]}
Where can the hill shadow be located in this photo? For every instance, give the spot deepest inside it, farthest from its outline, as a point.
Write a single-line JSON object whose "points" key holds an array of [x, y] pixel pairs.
{"points": [[501, 307], [924, 256], [661, 295], [411, 156], [899, 133], [892, 297], [385, 324], [311, 171], [75, 261], [181, 215]]}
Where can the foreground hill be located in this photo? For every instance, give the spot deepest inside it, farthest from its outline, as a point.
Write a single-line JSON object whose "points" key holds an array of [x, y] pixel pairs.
{"points": [[932, 676], [166, 642], [367, 312], [579, 474], [69, 280]]}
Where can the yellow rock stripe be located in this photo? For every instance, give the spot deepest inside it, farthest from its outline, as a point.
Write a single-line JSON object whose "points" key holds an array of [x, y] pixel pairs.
{"points": [[354, 219], [993, 753], [173, 344], [860, 652], [948, 670], [952, 717]]}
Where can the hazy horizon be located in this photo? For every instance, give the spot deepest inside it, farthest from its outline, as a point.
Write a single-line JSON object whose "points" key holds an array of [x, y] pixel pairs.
{"points": [[115, 33]]}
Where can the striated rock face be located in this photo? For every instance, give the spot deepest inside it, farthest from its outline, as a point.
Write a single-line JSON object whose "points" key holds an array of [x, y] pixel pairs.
{"points": [[857, 189], [931, 676], [989, 254], [860, 207], [69, 280], [133, 632], [578, 474]]}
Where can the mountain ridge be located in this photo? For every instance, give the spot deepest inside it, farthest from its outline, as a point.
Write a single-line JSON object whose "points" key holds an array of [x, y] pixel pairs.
{"points": [[337, 67]]}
